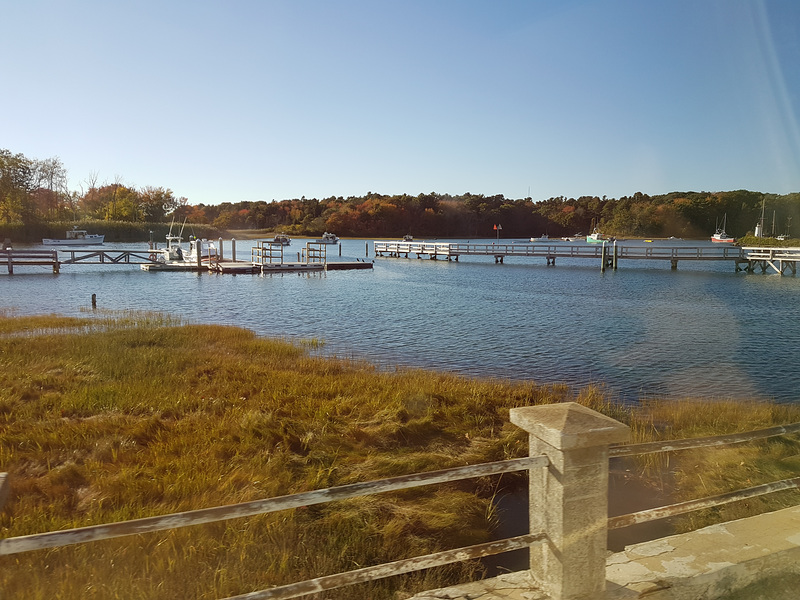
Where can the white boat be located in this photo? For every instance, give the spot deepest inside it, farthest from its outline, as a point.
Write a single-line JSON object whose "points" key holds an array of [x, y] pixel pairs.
{"points": [[720, 235], [328, 238], [176, 256], [76, 237], [282, 239], [542, 238], [408, 238]]}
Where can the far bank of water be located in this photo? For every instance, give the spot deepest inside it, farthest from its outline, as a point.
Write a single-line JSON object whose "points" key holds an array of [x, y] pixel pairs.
{"points": [[643, 330]]}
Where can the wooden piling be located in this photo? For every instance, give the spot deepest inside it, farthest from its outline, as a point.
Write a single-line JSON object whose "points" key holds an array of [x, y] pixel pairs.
{"points": [[603, 258]]}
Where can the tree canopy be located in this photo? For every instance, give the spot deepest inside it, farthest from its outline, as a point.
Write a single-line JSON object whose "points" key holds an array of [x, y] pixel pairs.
{"points": [[34, 191]]}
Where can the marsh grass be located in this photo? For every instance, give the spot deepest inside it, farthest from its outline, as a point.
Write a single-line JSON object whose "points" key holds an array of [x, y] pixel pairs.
{"points": [[117, 417]]}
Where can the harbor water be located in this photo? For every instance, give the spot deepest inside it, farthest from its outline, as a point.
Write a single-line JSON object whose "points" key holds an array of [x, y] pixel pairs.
{"points": [[644, 330]]}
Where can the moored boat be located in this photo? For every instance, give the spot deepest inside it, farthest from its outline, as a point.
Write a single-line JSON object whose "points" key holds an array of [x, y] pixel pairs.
{"points": [[175, 256], [720, 235], [328, 238], [282, 239], [76, 237], [596, 237]]}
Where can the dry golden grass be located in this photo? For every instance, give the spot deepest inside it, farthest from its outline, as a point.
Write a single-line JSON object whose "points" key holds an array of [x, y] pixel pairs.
{"points": [[125, 416]]}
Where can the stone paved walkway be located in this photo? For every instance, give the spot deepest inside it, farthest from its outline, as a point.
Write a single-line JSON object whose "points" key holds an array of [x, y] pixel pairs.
{"points": [[511, 586]]}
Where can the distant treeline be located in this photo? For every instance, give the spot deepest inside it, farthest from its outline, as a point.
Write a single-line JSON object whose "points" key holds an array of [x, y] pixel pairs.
{"points": [[679, 214], [35, 203]]}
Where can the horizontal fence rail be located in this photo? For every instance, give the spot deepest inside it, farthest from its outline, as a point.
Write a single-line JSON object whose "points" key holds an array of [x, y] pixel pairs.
{"points": [[662, 512], [398, 567], [561, 250], [106, 531], [704, 442], [107, 256]]}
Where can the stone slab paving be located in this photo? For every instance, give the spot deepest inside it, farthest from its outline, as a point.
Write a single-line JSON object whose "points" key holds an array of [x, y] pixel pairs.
{"points": [[711, 563], [511, 586], [757, 558]]}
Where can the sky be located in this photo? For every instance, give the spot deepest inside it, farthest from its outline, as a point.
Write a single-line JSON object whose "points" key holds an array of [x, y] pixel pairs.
{"points": [[234, 100]]}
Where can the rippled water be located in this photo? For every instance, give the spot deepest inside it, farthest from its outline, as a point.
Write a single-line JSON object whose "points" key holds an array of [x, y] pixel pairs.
{"points": [[644, 329]]}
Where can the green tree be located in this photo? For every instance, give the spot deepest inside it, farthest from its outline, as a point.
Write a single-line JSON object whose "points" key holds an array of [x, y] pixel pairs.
{"points": [[16, 185]]}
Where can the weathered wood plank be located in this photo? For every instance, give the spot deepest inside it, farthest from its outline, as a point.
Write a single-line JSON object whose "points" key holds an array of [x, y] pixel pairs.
{"points": [[247, 509], [662, 512], [703, 442], [398, 567]]}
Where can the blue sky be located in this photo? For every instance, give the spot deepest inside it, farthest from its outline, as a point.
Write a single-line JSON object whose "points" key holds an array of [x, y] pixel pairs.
{"points": [[223, 101]]}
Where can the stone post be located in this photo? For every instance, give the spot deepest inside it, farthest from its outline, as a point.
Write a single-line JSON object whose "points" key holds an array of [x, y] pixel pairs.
{"points": [[569, 499]]}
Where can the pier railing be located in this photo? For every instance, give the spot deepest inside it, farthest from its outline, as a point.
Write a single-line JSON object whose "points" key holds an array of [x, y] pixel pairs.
{"points": [[10, 258], [751, 258], [568, 464]]}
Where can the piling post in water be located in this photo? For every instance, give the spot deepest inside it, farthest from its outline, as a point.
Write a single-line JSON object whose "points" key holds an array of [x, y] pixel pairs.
{"points": [[94, 300], [198, 252], [10, 263], [569, 498], [603, 258], [366, 249], [233, 249], [340, 248], [614, 265], [219, 252]]}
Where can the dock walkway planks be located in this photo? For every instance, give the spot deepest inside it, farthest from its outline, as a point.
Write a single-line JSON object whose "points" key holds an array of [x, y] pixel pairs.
{"points": [[782, 260]]}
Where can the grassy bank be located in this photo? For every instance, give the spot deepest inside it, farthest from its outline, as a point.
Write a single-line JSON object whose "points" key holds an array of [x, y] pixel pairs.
{"points": [[106, 419]]}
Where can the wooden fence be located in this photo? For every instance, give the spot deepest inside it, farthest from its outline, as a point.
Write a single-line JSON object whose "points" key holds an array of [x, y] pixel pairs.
{"points": [[574, 440]]}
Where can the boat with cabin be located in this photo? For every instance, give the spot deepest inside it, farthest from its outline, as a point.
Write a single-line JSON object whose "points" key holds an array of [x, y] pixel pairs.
{"points": [[596, 237], [720, 235], [76, 237], [282, 239], [328, 238], [175, 257]]}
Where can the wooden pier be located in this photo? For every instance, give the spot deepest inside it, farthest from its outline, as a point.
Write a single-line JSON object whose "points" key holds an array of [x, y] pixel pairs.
{"points": [[266, 258], [24, 258], [608, 255]]}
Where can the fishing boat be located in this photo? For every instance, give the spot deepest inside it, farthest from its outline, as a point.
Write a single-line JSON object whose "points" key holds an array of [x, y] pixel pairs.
{"points": [[720, 235], [176, 257], [282, 239], [76, 237], [596, 237], [408, 238], [542, 238], [328, 238]]}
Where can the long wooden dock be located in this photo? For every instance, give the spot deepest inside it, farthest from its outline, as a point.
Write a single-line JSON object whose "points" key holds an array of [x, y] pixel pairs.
{"points": [[608, 255], [264, 262]]}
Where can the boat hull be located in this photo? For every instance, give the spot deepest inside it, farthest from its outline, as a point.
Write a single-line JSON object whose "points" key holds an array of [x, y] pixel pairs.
{"points": [[90, 240]]}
